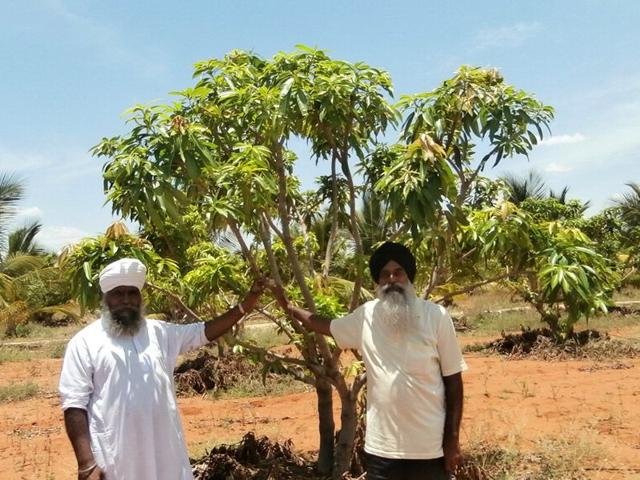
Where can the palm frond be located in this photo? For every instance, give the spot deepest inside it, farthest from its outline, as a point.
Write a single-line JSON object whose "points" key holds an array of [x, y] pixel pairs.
{"points": [[69, 309], [23, 240], [343, 288], [521, 188], [19, 263], [11, 192], [226, 239], [562, 196], [630, 204], [7, 290]]}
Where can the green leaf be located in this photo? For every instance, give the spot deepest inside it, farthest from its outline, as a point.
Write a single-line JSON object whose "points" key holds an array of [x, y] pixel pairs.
{"points": [[86, 266], [286, 87]]}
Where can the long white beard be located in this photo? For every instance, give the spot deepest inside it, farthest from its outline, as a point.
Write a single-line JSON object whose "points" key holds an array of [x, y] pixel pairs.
{"points": [[395, 309], [116, 328]]}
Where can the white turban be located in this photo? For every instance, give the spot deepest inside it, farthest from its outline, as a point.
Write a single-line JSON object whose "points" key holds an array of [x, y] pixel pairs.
{"points": [[126, 272]]}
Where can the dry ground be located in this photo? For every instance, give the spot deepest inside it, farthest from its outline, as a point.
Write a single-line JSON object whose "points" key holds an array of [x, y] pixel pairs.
{"points": [[593, 408]]}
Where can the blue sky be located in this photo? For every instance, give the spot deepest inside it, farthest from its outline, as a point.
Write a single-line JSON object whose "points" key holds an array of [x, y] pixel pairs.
{"points": [[70, 68]]}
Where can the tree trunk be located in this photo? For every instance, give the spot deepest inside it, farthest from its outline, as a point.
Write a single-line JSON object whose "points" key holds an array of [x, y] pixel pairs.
{"points": [[334, 222], [346, 435], [326, 425], [353, 217]]}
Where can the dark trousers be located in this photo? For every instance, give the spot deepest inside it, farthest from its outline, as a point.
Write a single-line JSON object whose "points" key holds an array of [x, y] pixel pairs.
{"points": [[379, 468]]}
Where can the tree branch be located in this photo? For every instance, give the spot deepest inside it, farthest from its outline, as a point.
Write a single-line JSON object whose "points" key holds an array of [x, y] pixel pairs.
{"points": [[473, 286], [176, 299], [358, 383], [243, 246]]}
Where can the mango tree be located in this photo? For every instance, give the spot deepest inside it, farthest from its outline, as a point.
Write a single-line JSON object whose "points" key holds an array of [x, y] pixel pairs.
{"points": [[450, 136], [222, 151], [551, 264]]}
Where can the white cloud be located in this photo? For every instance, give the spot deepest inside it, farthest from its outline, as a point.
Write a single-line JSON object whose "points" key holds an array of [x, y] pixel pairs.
{"points": [[22, 213], [58, 166], [508, 36], [554, 167], [55, 238], [109, 43], [564, 139], [12, 161]]}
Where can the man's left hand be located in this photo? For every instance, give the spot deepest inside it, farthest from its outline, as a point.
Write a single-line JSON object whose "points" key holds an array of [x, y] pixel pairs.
{"points": [[452, 455]]}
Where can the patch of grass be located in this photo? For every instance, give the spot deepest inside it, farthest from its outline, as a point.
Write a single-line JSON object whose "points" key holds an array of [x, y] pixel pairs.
{"points": [[614, 320], [42, 332], [14, 354], [56, 350], [627, 293], [263, 335], [568, 457], [492, 323], [254, 387], [200, 449], [18, 392], [29, 351], [484, 299]]}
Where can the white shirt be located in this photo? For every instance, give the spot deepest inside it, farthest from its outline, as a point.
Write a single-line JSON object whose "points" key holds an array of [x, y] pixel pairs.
{"points": [[405, 390], [126, 386]]}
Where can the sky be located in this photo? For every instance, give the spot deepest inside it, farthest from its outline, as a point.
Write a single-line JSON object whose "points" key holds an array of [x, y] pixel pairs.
{"points": [[70, 68]]}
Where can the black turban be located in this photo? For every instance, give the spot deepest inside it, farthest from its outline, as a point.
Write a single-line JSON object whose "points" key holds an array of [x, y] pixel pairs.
{"points": [[392, 251]]}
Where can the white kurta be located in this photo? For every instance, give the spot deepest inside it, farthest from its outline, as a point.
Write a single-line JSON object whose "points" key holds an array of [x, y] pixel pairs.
{"points": [[126, 386]]}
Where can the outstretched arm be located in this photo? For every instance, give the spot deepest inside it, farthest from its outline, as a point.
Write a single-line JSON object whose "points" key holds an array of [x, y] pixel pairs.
{"points": [[311, 321], [219, 325], [314, 322], [453, 398]]}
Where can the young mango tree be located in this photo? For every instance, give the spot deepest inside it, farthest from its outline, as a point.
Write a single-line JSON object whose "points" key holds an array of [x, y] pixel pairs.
{"points": [[221, 151], [553, 266], [83, 262], [431, 178]]}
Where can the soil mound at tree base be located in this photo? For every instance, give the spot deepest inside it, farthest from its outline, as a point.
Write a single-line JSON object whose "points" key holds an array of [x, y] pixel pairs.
{"points": [[207, 372], [540, 344], [256, 459]]}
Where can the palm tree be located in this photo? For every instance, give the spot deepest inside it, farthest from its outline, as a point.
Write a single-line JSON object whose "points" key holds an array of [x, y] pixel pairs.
{"points": [[373, 221], [19, 254], [531, 186], [561, 197], [629, 205], [22, 255], [11, 192]]}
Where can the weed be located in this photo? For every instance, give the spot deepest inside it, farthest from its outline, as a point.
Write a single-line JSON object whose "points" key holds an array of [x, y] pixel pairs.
{"points": [[525, 391], [30, 351], [552, 458], [18, 392], [254, 387]]}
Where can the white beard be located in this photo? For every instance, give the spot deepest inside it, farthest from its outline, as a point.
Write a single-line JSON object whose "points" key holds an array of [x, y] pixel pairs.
{"points": [[395, 309], [118, 329]]}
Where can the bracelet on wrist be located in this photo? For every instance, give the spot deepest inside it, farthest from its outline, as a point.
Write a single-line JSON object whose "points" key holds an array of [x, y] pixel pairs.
{"points": [[87, 469]]}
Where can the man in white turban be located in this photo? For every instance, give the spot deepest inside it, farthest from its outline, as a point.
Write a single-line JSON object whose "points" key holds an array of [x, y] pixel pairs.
{"points": [[116, 385]]}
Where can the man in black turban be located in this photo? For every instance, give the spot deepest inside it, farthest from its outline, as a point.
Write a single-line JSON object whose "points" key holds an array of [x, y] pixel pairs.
{"points": [[396, 252], [414, 365]]}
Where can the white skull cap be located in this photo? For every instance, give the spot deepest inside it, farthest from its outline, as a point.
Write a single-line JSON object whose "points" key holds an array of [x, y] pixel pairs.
{"points": [[126, 272]]}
